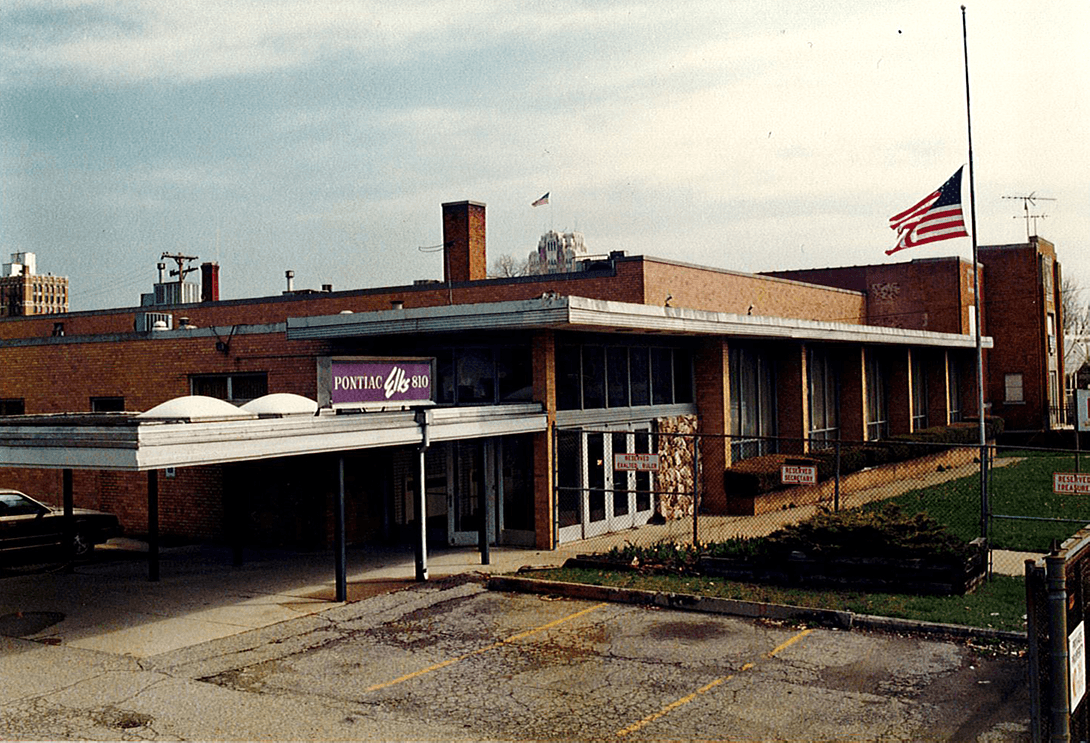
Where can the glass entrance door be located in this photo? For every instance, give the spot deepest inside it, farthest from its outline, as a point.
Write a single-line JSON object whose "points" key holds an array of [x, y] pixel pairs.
{"points": [[471, 478], [593, 497]]}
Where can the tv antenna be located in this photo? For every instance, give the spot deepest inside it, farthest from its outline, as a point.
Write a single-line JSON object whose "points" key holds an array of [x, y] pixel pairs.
{"points": [[1028, 201]]}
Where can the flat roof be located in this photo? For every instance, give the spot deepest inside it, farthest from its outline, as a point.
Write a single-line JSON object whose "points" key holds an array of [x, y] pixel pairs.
{"points": [[580, 313], [123, 441]]}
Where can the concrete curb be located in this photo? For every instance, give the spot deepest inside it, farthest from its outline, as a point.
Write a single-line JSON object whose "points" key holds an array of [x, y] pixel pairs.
{"points": [[846, 620]]}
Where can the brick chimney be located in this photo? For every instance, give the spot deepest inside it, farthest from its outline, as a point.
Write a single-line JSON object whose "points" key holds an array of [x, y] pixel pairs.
{"points": [[463, 238], [210, 282]]}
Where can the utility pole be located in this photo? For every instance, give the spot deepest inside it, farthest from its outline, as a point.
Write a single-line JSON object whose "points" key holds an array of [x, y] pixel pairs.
{"points": [[182, 271]]}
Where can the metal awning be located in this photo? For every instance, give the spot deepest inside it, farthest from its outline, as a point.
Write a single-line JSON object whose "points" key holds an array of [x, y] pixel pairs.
{"points": [[129, 442], [121, 441], [581, 313]]}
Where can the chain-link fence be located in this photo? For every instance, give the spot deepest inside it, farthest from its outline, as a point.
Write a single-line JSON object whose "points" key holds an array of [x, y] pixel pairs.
{"points": [[648, 486]]}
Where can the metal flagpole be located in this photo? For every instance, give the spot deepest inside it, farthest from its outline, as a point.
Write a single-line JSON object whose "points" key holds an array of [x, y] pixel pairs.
{"points": [[976, 295]]}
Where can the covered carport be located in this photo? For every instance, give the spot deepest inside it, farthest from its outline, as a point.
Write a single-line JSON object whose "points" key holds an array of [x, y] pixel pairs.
{"points": [[194, 430]]}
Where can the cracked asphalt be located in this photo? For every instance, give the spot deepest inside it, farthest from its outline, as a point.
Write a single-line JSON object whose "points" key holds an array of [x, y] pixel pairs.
{"points": [[449, 660]]}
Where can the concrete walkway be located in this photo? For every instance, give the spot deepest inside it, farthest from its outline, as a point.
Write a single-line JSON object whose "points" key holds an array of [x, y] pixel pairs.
{"points": [[108, 604]]}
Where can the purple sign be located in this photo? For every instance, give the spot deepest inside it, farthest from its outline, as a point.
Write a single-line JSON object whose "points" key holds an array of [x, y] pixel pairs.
{"points": [[380, 382]]}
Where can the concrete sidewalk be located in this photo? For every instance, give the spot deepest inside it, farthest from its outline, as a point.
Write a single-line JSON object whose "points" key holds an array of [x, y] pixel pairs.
{"points": [[107, 604]]}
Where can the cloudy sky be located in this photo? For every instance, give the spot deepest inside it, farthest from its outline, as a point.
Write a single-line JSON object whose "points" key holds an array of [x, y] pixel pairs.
{"points": [[322, 136]]}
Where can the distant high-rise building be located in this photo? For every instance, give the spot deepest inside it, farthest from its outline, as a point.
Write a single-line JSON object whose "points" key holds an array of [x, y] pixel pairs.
{"points": [[557, 253], [23, 291]]}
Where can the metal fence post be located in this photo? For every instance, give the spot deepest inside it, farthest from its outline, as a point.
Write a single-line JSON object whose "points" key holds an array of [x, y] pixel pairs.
{"points": [[1057, 642], [836, 478], [696, 490], [1034, 579]]}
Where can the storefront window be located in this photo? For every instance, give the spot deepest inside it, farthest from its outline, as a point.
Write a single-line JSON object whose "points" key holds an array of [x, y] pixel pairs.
{"points": [[569, 384], [953, 386], [824, 394], [592, 376], [235, 388], [640, 376], [919, 392], [617, 366], [514, 375], [662, 377], [483, 375], [752, 403], [877, 408]]}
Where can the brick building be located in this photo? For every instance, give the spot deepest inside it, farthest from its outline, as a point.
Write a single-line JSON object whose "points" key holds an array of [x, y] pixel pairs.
{"points": [[629, 346], [23, 291], [1022, 312]]}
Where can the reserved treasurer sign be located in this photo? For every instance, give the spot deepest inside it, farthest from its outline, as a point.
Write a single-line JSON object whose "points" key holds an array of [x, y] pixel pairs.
{"points": [[376, 382]]}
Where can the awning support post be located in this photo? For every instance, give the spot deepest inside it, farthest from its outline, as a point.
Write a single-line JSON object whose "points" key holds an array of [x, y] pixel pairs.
{"points": [[153, 525], [67, 502], [339, 537], [482, 531], [422, 418]]}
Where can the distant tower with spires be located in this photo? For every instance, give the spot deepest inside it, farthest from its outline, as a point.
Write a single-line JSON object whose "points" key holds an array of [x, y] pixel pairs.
{"points": [[557, 253]]}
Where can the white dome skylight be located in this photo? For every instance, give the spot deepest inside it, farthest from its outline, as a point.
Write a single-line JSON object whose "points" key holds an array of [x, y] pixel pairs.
{"points": [[196, 408], [281, 403]]}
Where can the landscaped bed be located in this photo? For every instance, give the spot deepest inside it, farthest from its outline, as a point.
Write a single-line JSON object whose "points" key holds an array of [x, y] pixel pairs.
{"points": [[999, 603], [876, 550], [877, 539]]}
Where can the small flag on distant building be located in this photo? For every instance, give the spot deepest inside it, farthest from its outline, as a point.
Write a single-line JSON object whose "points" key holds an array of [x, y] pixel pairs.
{"points": [[543, 200], [937, 217]]}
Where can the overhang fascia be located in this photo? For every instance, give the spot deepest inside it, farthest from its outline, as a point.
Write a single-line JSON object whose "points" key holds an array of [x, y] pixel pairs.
{"points": [[147, 445], [581, 313]]}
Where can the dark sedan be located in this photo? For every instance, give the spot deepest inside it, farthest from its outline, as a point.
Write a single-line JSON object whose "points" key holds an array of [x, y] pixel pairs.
{"points": [[30, 529]]}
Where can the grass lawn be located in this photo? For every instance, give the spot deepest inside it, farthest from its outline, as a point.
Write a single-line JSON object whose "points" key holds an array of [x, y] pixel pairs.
{"points": [[997, 604], [1020, 489]]}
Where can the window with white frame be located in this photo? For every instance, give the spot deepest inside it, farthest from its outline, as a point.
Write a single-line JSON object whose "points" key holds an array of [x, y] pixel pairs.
{"points": [[953, 386], [877, 407], [752, 403], [824, 393], [919, 392], [1012, 388], [236, 388]]}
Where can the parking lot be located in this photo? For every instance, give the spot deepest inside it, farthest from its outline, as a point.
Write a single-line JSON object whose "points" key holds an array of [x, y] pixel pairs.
{"points": [[459, 662], [257, 655]]}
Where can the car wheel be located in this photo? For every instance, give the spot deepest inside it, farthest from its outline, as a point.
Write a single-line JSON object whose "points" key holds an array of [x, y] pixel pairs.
{"points": [[81, 546]]}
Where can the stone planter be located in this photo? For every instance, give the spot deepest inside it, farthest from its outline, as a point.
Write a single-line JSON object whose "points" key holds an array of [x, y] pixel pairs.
{"points": [[879, 574]]}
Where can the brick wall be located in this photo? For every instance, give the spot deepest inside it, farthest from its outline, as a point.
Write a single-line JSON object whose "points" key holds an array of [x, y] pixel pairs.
{"points": [[1017, 306], [726, 291], [63, 377], [928, 294], [544, 364]]}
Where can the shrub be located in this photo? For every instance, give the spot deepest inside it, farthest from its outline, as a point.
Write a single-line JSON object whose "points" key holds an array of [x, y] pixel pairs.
{"points": [[886, 532], [854, 533]]}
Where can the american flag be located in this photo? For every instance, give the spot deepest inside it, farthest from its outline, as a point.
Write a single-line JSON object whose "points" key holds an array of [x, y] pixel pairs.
{"points": [[936, 217], [543, 200]]}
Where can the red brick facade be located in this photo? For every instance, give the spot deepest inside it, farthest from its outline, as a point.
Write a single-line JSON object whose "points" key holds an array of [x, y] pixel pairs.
{"points": [[1020, 290], [101, 355]]}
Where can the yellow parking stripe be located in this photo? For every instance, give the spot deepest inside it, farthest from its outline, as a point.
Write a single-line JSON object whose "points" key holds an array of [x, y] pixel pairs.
{"points": [[706, 688], [679, 703], [776, 651], [493, 646]]}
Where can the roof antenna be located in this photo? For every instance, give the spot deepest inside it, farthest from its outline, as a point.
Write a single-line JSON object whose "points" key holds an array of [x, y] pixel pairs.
{"points": [[1027, 201]]}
